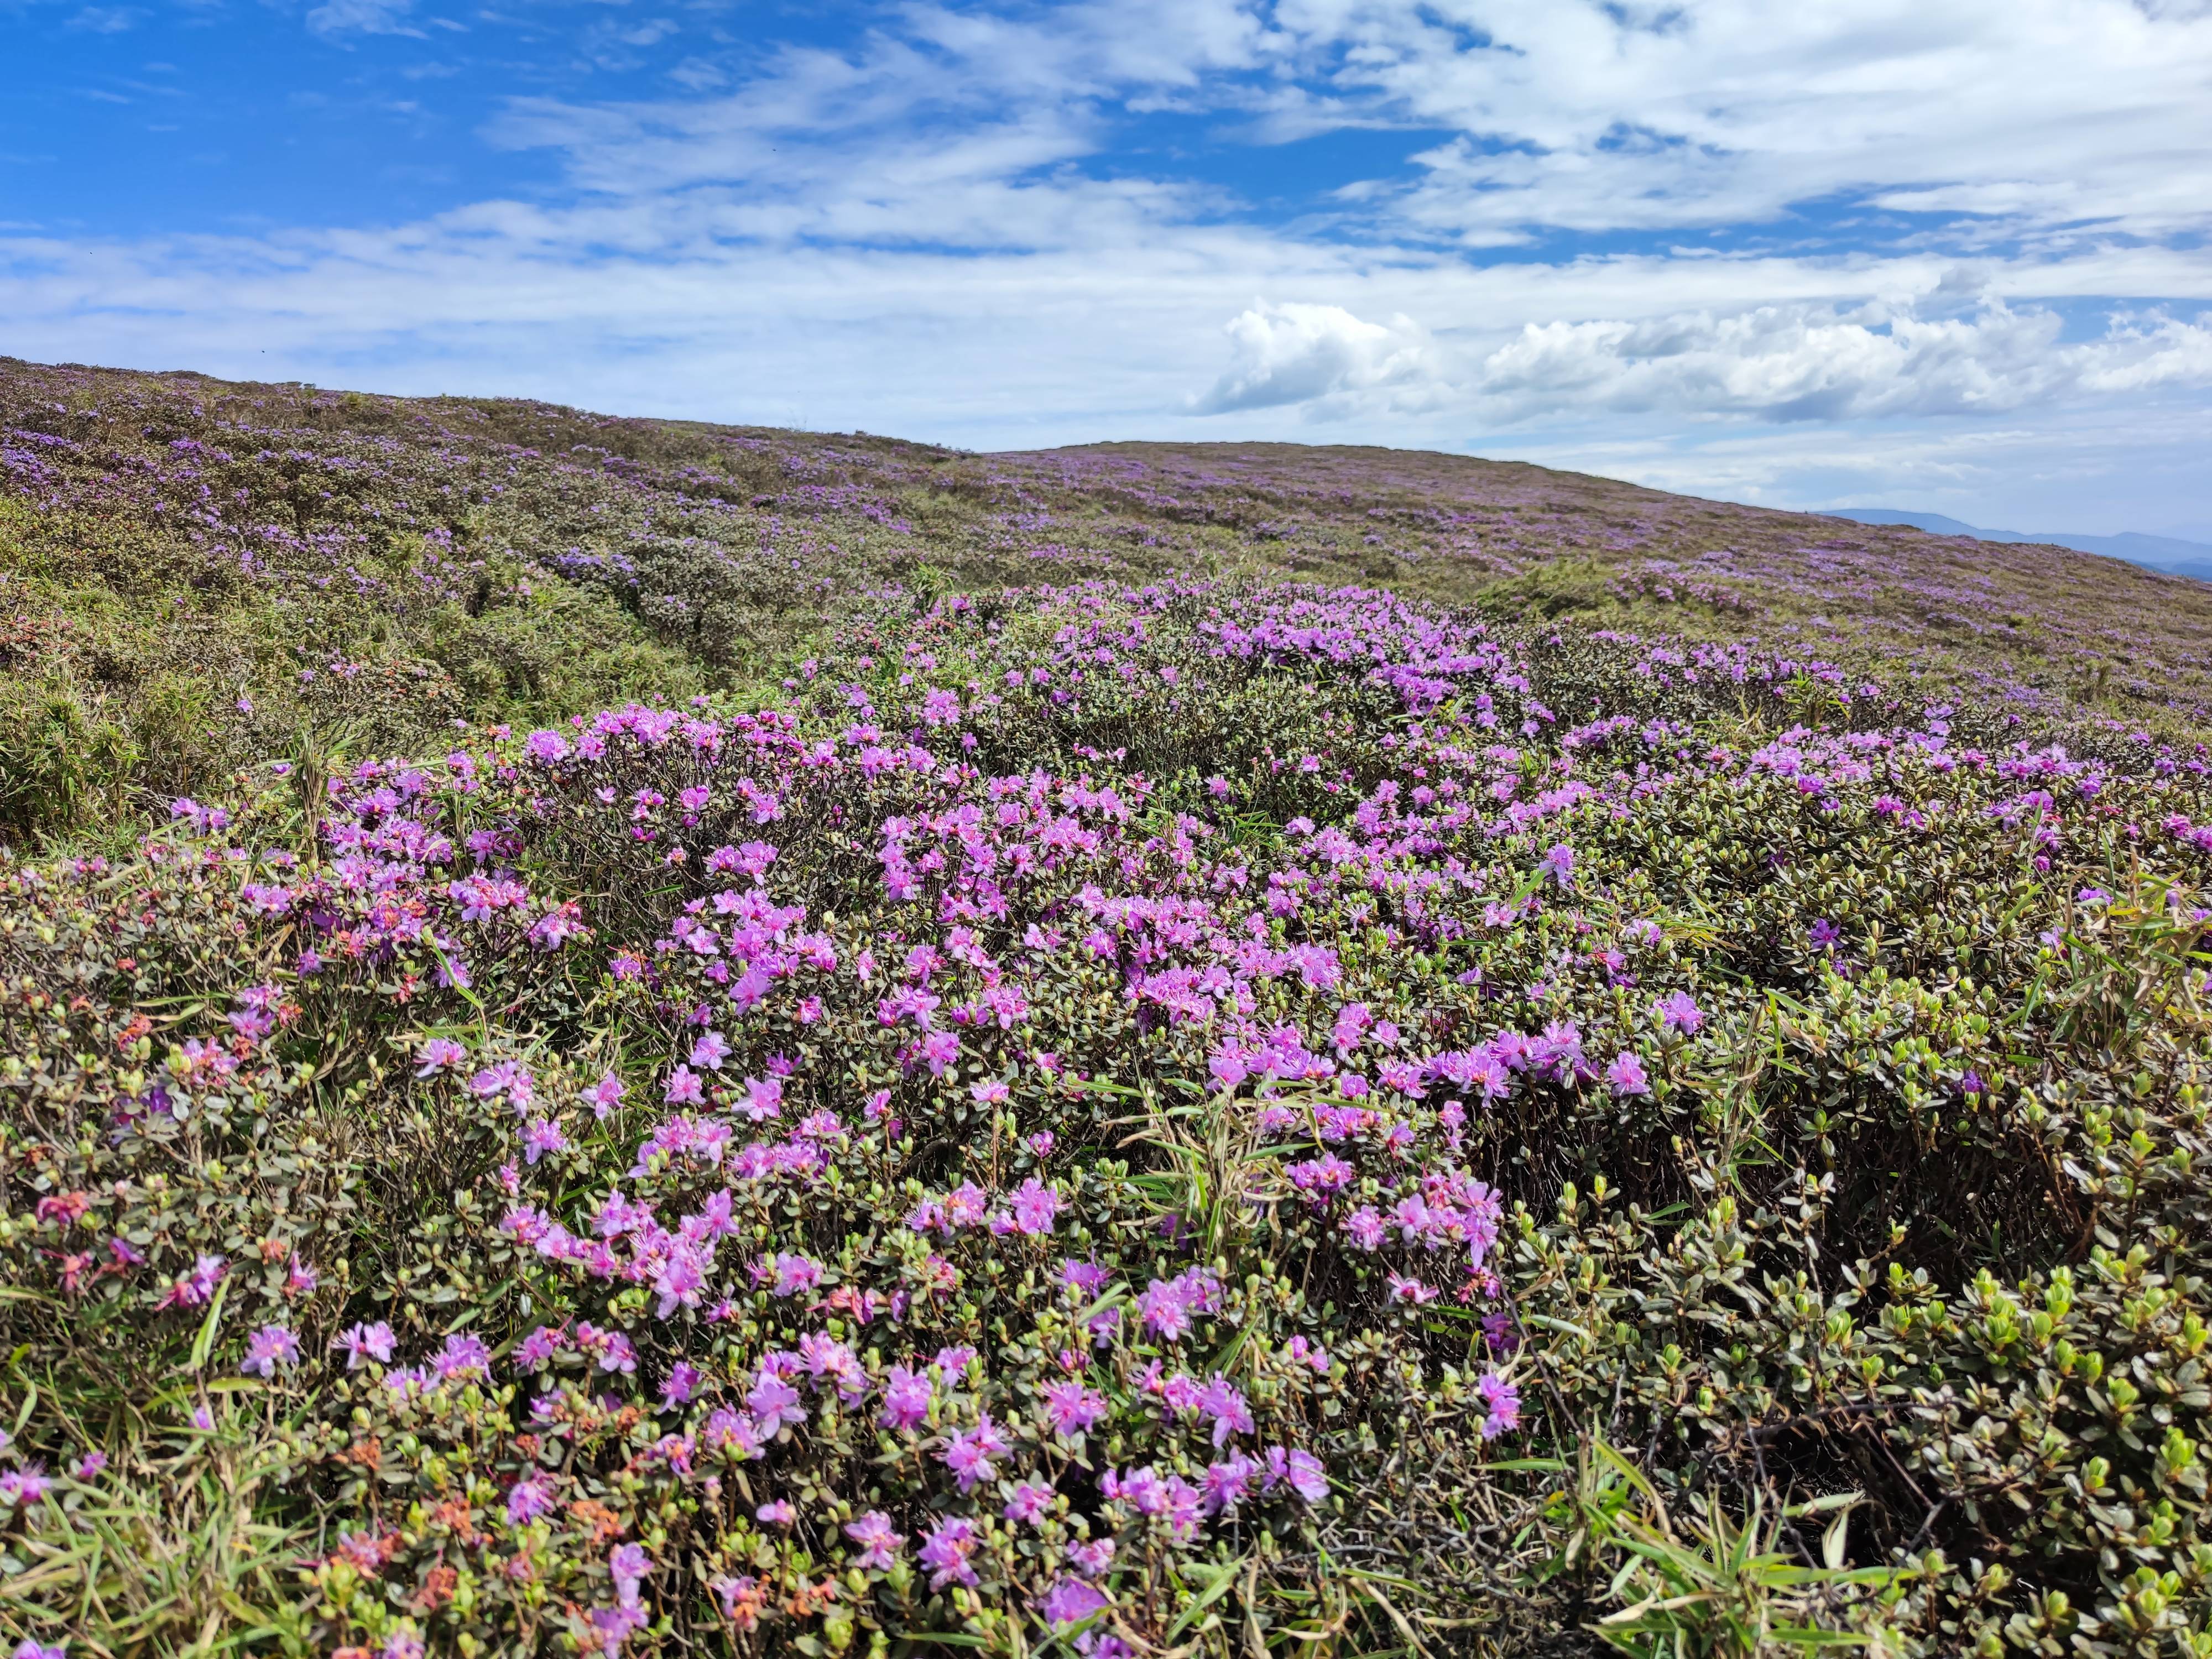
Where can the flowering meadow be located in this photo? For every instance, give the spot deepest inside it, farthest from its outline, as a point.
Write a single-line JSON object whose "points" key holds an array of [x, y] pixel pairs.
{"points": [[195, 575], [1203, 1114]]}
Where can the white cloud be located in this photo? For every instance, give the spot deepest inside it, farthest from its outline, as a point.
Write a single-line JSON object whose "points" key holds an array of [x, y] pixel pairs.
{"points": [[106, 20], [362, 17], [934, 230], [1323, 355], [1815, 363]]}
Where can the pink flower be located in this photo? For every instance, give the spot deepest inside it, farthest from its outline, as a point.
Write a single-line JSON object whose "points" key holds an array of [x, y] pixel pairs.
{"points": [[775, 1402], [363, 1343], [1677, 1012], [1626, 1075], [1501, 1405], [907, 1397], [439, 1054], [968, 1453], [764, 1098], [945, 1551], [196, 1288], [529, 1498], [780, 1513], [879, 1543], [1073, 1409], [607, 1094], [268, 1348], [541, 1136], [1223, 1402], [940, 1050], [1302, 1469], [1036, 1206], [1030, 1502]]}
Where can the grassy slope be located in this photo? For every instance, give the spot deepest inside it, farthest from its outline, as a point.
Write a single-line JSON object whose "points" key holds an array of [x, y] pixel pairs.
{"points": [[194, 573]]}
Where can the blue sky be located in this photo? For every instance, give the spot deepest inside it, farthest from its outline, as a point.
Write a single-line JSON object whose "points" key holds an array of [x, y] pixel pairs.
{"points": [[1945, 254]]}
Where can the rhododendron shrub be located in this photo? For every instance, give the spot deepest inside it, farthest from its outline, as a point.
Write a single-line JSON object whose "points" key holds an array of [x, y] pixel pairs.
{"points": [[1138, 1115]]}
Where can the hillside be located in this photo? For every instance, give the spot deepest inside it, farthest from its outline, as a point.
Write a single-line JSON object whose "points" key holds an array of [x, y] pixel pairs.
{"points": [[198, 573], [632, 1038]]}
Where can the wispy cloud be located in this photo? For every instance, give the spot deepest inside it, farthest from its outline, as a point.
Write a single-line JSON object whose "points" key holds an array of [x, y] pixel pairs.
{"points": [[1604, 225], [362, 17]]}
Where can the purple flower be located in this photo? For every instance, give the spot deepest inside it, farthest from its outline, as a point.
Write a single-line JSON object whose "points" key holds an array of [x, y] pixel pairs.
{"points": [[1301, 1468], [710, 1051], [607, 1094], [1222, 1401], [1626, 1075], [529, 1498], [907, 1396], [1677, 1012], [465, 1356], [535, 1349], [796, 1273], [780, 1513], [1030, 1502], [1070, 1601], [1073, 1409], [1084, 1278], [26, 1486], [268, 1348], [945, 1553], [1309, 1354], [1169, 1499], [1559, 865], [682, 1386], [764, 1098], [1364, 1228], [628, 1567], [1823, 934], [363, 1343], [968, 1453], [1501, 1403], [1228, 1482], [1036, 1206], [439, 1054], [542, 1136], [940, 1050], [775, 1402], [879, 1543], [196, 1288], [1168, 1305]]}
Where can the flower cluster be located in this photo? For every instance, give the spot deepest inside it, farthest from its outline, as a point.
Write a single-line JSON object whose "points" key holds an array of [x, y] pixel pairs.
{"points": [[1096, 1083]]}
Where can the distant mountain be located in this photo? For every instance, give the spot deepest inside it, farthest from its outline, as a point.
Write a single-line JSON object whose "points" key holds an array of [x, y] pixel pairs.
{"points": [[2166, 553]]}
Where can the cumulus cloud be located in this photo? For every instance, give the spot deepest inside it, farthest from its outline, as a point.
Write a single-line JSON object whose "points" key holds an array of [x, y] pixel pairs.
{"points": [[1801, 363], [1320, 354]]}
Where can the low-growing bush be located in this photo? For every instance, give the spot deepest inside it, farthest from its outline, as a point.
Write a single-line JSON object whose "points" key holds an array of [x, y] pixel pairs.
{"points": [[1126, 1120]]}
